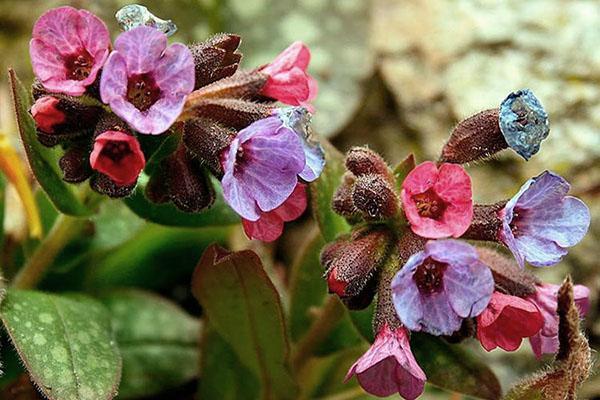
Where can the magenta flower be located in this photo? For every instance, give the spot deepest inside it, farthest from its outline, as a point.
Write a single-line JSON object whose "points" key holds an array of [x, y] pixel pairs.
{"points": [[438, 201], [145, 82], [288, 80], [270, 224], [67, 49], [262, 166], [506, 321], [541, 221], [441, 285], [545, 298], [118, 155], [389, 366]]}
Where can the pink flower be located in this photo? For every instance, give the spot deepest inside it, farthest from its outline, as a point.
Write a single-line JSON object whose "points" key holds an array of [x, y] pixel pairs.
{"points": [[506, 321], [118, 155], [545, 298], [270, 224], [288, 80], [67, 49], [145, 82], [437, 202], [389, 366], [46, 114]]}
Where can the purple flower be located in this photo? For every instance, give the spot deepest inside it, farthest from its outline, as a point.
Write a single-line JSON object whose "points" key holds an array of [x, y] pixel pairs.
{"points": [[389, 366], [67, 49], [145, 82], [541, 221], [262, 165], [440, 286], [545, 298]]}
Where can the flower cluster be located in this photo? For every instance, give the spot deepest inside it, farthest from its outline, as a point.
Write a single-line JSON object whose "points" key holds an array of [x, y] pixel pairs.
{"points": [[185, 109], [407, 248]]}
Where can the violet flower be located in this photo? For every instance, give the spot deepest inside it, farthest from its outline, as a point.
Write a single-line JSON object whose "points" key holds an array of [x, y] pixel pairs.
{"points": [[545, 298], [440, 286], [540, 222], [67, 49], [145, 82], [389, 366], [263, 163]]}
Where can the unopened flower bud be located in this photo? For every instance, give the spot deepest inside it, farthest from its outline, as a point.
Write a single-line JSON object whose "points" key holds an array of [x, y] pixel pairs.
{"points": [[207, 139], [509, 278], [46, 114], [75, 163], [342, 202], [185, 181], [63, 119], [374, 197], [475, 138], [363, 161], [216, 58], [352, 262]]}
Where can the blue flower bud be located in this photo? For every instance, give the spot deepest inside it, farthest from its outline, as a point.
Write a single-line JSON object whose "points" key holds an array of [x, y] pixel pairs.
{"points": [[523, 122]]}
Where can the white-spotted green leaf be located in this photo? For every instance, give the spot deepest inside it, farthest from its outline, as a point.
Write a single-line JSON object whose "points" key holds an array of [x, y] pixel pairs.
{"points": [[157, 339], [65, 342]]}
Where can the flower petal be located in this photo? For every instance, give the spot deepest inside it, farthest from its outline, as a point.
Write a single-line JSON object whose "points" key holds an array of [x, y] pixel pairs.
{"points": [[141, 48], [469, 288]]}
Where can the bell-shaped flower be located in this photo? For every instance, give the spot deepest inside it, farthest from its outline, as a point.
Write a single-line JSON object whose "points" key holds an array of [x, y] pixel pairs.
{"points": [[146, 82], [440, 286], [68, 48], [540, 222], [438, 201], [506, 321], [389, 366]]}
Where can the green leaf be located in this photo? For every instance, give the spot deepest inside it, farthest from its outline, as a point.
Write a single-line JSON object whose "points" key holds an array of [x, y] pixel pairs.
{"points": [[453, 368], [114, 224], [307, 286], [157, 339], [223, 375], [324, 376], [43, 161], [363, 322], [322, 191], [155, 258], [245, 309], [403, 168], [167, 214], [65, 342]]}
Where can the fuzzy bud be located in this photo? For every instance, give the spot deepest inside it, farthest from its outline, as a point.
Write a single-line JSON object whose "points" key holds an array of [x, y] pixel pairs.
{"points": [[509, 278], [342, 202], [181, 179], [475, 138], [486, 222], [60, 120], [75, 163], [207, 139], [363, 161], [374, 197], [232, 113], [351, 263], [216, 58]]}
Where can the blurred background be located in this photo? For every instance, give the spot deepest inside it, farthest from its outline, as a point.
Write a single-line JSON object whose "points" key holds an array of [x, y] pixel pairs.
{"points": [[398, 75]]}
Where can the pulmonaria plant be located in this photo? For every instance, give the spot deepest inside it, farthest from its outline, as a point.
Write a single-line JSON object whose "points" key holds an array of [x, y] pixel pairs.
{"points": [[407, 247], [101, 104]]}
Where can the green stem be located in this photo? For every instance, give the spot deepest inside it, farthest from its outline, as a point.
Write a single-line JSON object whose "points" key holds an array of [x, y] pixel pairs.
{"points": [[331, 313], [65, 228]]}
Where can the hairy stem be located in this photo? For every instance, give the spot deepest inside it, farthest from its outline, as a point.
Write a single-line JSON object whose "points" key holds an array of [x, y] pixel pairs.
{"points": [[331, 313]]}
